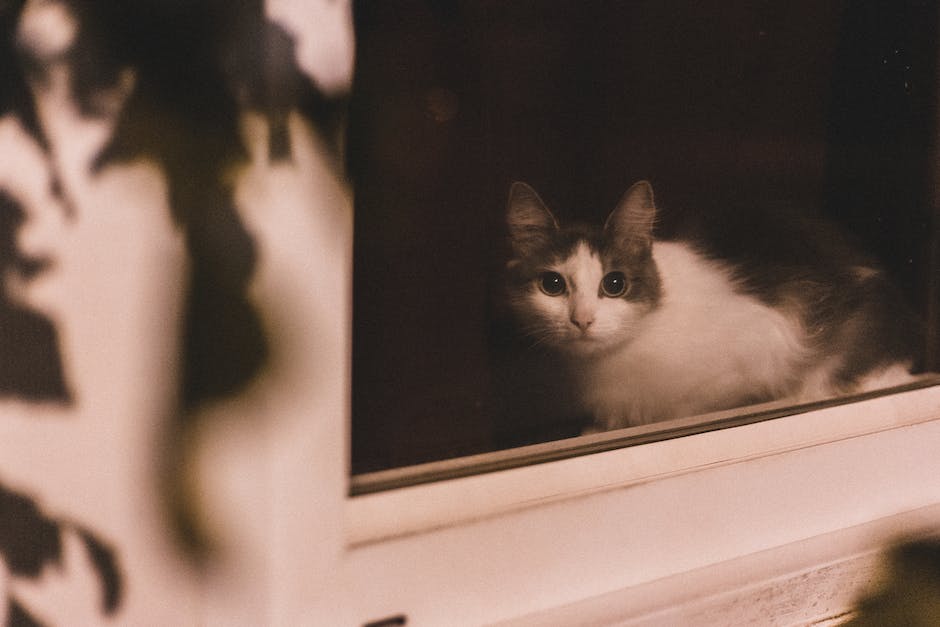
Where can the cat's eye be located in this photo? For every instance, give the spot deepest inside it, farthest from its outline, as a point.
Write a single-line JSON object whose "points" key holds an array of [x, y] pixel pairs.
{"points": [[614, 284], [552, 283]]}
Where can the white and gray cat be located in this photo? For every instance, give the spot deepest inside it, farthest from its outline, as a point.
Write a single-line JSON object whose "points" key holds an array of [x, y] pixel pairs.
{"points": [[654, 330]]}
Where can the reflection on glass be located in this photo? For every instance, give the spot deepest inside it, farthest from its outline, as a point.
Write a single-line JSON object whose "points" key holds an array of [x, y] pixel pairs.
{"points": [[777, 249]]}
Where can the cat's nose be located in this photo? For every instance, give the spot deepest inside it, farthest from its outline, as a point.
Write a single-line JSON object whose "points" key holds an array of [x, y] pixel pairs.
{"points": [[582, 320]]}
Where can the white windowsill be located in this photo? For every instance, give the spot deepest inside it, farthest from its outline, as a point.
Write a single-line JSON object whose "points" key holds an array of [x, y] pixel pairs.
{"points": [[413, 509]]}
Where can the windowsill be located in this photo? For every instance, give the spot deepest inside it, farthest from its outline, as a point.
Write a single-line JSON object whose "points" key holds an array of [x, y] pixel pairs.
{"points": [[816, 581], [452, 492]]}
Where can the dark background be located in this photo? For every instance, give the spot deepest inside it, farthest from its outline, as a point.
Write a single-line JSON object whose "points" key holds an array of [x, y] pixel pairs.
{"points": [[825, 106]]}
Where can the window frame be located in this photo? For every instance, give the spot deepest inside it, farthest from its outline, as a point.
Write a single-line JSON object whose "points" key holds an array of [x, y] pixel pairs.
{"points": [[606, 536], [520, 541]]}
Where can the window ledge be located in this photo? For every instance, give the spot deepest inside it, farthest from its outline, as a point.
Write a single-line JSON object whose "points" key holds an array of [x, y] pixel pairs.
{"points": [[472, 495]]}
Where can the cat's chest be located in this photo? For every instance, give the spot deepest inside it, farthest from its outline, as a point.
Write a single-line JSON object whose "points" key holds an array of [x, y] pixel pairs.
{"points": [[707, 346]]}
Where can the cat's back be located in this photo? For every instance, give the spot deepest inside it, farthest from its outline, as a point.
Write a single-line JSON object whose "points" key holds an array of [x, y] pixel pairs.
{"points": [[806, 265], [851, 314]]}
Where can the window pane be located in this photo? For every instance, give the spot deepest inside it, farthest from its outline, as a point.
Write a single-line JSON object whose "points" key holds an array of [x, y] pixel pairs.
{"points": [[739, 115]]}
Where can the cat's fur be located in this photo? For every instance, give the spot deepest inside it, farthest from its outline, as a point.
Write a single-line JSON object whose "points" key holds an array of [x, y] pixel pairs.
{"points": [[695, 333]]}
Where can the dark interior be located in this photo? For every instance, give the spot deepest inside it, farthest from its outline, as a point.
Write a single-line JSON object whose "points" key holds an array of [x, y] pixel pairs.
{"points": [[827, 106]]}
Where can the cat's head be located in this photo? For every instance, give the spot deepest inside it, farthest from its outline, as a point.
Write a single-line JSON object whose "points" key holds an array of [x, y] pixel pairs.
{"points": [[581, 289]]}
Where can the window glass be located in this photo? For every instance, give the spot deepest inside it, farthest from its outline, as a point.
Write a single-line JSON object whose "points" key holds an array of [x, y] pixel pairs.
{"points": [[772, 131]]}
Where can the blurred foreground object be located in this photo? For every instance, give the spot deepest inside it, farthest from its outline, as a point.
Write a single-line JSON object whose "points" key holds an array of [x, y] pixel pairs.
{"points": [[909, 594]]}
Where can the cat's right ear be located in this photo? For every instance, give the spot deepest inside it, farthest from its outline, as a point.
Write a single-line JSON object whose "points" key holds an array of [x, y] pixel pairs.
{"points": [[531, 224], [630, 225]]}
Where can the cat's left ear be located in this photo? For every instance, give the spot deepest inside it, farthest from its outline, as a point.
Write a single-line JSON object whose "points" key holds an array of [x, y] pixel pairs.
{"points": [[531, 224], [630, 225]]}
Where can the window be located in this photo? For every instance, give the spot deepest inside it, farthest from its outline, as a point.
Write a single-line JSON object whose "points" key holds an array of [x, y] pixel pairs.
{"points": [[606, 536], [827, 107]]}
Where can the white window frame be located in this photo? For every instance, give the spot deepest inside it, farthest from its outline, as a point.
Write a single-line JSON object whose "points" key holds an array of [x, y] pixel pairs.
{"points": [[527, 542]]}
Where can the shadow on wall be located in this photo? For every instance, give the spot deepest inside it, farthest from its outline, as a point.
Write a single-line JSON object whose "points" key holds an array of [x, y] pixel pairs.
{"points": [[30, 365], [30, 540], [197, 67]]}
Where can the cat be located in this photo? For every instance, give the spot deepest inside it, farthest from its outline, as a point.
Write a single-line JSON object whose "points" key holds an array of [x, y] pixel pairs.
{"points": [[655, 329]]}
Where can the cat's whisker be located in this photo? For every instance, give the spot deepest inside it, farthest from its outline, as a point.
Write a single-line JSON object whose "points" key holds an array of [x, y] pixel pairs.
{"points": [[540, 337]]}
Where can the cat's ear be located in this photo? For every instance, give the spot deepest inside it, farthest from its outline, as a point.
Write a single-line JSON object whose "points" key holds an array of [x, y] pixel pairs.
{"points": [[630, 224], [531, 224]]}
